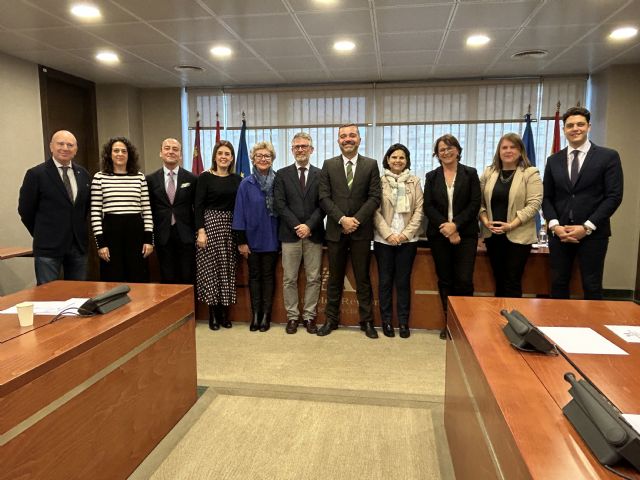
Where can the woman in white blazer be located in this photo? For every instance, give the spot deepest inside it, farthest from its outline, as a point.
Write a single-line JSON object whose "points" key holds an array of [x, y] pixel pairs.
{"points": [[511, 198], [397, 224]]}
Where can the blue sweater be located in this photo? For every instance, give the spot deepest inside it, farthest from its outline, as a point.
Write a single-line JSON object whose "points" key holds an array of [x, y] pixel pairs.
{"points": [[251, 216]]}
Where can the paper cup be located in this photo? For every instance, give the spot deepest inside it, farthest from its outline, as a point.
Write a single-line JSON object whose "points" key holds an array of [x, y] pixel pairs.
{"points": [[25, 314]]}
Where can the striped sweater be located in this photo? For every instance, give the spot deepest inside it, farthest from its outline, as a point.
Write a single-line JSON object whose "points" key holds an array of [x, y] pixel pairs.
{"points": [[119, 194]]}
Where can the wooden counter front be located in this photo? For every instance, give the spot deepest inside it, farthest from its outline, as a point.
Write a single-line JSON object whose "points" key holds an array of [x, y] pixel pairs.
{"points": [[91, 397]]}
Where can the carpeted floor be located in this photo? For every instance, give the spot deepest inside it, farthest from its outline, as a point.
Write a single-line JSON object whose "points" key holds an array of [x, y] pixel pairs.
{"points": [[300, 406]]}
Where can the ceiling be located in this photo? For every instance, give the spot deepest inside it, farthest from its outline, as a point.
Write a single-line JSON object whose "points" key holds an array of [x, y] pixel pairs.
{"points": [[290, 41]]}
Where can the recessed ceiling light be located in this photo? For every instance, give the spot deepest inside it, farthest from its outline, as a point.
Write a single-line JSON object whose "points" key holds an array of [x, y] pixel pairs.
{"points": [[344, 46], [326, 3], [623, 33], [220, 51], [108, 57], [477, 40], [86, 10]]}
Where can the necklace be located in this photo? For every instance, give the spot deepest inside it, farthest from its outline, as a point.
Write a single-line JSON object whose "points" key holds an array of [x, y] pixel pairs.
{"points": [[508, 179]]}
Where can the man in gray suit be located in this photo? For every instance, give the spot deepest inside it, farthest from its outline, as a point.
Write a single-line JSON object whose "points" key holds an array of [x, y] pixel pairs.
{"points": [[349, 194], [301, 232]]}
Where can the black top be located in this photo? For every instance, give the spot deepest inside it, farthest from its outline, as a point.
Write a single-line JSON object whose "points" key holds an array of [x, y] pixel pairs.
{"points": [[215, 193], [500, 196]]}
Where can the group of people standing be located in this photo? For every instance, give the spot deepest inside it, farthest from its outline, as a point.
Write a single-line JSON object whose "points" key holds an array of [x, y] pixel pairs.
{"points": [[267, 212]]}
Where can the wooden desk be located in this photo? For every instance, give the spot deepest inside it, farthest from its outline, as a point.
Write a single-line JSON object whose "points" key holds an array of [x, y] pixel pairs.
{"points": [[503, 408], [91, 397], [11, 252]]}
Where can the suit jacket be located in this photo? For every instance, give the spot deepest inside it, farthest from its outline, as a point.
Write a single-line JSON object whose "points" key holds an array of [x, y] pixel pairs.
{"points": [[53, 220], [360, 202], [466, 201], [525, 198], [295, 206], [182, 207], [595, 196], [412, 220]]}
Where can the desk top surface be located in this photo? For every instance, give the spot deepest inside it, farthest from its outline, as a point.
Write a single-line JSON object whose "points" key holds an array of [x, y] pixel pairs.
{"points": [[27, 350], [10, 252]]}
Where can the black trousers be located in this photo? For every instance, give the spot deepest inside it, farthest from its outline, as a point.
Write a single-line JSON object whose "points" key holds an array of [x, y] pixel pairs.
{"points": [[394, 270], [176, 259], [508, 261], [124, 235], [360, 253], [454, 266], [590, 252], [262, 278]]}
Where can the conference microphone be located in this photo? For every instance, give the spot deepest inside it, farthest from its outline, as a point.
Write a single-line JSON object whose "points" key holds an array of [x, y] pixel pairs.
{"points": [[107, 301], [608, 426], [518, 326]]}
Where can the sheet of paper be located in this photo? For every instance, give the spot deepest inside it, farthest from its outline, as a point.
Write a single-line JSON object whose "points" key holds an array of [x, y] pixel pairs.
{"points": [[629, 333], [51, 307], [581, 340], [633, 419]]}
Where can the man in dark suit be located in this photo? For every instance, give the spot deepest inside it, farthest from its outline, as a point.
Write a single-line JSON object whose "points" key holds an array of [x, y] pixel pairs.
{"points": [[349, 194], [53, 205], [582, 189], [301, 232], [172, 191]]}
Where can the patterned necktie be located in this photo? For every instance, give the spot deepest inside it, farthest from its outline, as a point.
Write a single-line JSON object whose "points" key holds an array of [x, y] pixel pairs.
{"points": [[171, 193], [67, 182], [349, 174], [302, 179], [575, 167]]}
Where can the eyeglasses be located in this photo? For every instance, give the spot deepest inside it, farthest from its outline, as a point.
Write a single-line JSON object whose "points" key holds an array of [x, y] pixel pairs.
{"points": [[260, 156], [300, 147], [442, 151]]}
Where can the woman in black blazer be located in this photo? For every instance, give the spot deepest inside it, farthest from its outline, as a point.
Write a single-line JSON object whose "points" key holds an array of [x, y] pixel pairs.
{"points": [[451, 204]]}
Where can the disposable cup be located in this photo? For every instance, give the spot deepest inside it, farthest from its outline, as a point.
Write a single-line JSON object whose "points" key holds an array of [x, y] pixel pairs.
{"points": [[25, 314]]}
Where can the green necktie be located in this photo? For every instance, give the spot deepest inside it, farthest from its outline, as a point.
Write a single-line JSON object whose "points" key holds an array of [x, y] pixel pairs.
{"points": [[349, 174]]}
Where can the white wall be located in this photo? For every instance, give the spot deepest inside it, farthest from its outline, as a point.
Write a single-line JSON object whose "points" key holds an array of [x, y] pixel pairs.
{"points": [[21, 138]]}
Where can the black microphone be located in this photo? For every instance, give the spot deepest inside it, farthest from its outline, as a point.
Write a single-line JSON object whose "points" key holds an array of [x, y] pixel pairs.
{"points": [[520, 327]]}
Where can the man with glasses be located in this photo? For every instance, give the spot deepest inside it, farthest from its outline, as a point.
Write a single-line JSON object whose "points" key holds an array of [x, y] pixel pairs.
{"points": [[53, 205], [350, 195], [301, 232]]}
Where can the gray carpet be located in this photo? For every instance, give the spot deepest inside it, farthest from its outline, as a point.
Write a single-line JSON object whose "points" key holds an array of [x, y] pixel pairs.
{"points": [[300, 406]]}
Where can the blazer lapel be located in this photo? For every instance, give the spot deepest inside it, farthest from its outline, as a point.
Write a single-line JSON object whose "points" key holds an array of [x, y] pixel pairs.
{"points": [[518, 177], [588, 161], [311, 178], [564, 170], [57, 180]]}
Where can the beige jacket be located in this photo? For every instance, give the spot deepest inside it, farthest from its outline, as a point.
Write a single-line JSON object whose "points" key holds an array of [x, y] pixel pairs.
{"points": [[525, 198], [412, 220]]}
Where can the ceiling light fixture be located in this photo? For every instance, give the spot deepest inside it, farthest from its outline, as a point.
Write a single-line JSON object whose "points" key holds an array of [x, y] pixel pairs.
{"points": [[344, 46], [188, 69], [86, 11], [534, 53], [220, 51], [108, 57], [477, 40], [623, 33]]}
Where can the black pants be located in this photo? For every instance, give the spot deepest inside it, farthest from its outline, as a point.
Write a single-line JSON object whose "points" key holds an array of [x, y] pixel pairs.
{"points": [[262, 278], [124, 235], [591, 253], [360, 253], [176, 259], [508, 261], [454, 266], [394, 270]]}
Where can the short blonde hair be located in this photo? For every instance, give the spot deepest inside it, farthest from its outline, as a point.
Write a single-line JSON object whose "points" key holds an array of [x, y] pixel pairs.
{"points": [[263, 146]]}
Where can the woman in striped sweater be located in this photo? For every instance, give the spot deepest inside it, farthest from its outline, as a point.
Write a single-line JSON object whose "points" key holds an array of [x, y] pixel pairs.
{"points": [[121, 214]]}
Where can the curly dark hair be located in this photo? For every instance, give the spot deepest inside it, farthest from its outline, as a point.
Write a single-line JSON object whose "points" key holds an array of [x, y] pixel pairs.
{"points": [[223, 143], [133, 162], [393, 148], [450, 141]]}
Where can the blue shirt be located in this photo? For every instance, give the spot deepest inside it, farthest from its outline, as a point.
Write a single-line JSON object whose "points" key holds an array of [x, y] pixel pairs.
{"points": [[251, 216]]}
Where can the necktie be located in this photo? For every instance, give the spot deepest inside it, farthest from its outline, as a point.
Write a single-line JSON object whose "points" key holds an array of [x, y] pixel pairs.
{"points": [[67, 182], [171, 193], [302, 180], [349, 174], [575, 167]]}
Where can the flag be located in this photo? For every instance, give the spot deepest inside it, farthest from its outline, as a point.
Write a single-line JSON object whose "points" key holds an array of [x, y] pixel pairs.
{"points": [[556, 132], [217, 128], [530, 149], [196, 162], [244, 165]]}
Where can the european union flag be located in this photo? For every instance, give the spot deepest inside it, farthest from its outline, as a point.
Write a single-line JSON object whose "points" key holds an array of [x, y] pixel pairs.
{"points": [[244, 165], [530, 149]]}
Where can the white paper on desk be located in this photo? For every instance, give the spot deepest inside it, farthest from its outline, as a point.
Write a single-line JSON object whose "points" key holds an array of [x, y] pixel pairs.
{"points": [[633, 420], [51, 307], [629, 333], [581, 340]]}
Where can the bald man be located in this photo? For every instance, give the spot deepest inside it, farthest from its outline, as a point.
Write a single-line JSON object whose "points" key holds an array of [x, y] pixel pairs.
{"points": [[172, 191], [53, 205]]}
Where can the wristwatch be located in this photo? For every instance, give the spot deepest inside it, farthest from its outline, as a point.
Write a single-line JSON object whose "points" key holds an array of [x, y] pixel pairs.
{"points": [[588, 229]]}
